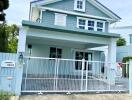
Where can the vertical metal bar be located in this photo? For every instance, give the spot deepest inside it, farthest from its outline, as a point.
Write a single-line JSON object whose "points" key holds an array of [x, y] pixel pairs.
{"points": [[86, 76], [26, 74], [57, 70], [83, 61], [109, 73], [55, 74]]}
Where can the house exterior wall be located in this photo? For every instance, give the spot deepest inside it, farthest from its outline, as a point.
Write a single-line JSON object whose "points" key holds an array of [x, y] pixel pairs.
{"points": [[68, 5], [43, 50], [123, 51], [48, 18]]}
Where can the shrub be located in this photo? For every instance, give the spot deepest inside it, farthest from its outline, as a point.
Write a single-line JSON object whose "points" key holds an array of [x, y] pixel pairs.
{"points": [[121, 42], [126, 59], [4, 96]]}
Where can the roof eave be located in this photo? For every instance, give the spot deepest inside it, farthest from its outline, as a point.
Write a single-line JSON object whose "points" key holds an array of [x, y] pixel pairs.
{"points": [[63, 29]]}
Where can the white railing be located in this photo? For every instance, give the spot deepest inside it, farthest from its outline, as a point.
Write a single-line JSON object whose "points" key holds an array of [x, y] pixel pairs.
{"points": [[69, 75]]}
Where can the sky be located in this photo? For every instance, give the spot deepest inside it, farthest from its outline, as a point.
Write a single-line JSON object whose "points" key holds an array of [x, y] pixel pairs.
{"points": [[19, 10]]}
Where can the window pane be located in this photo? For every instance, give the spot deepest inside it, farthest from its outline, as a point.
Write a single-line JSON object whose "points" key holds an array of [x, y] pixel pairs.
{"points": [[79, 4], [82, 22], [90, 23], [100, 24], [100, 30], [90, 28], [52, 52], [82, 27], [55, 52], [59, 51]]}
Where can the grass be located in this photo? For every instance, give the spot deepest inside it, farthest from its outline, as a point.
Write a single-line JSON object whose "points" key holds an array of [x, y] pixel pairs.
{"points": [[5, 96]]}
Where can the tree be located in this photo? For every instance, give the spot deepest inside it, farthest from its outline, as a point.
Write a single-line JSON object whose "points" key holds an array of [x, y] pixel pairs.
{"points": [[4, 4], [121, 42], [9, 43]]}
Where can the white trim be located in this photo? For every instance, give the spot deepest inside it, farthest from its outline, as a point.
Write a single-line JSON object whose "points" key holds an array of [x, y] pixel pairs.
{"points": [[59, 22], [76, 13], [93, 2], [95, 23], [83, 6]]}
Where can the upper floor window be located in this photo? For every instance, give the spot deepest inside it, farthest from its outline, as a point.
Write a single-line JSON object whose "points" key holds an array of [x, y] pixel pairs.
{"points": [[90, 24], [130, 38], [82, 23], [79, 5], [100, 26], [60, 19]]}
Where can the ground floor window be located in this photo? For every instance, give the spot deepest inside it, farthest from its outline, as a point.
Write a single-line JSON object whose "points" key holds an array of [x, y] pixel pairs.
{"points": [[83, 55], [55, 52]]}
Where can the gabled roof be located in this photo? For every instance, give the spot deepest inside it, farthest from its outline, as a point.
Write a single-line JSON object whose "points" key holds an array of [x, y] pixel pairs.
{"points": [[96, 3]]}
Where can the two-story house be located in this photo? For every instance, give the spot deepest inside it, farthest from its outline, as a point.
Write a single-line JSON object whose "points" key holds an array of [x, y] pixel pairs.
{"points": [[57, 41]]}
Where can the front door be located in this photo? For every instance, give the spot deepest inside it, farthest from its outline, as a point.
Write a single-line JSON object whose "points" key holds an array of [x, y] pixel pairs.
{"points": [[83, 55]]}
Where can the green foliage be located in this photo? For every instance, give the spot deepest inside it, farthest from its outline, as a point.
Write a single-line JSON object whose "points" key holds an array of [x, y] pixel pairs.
{"points": [[3, 39], [4, 96], [2, 17], [4, 4], [126, 59], [8, 38], [121, 42]]}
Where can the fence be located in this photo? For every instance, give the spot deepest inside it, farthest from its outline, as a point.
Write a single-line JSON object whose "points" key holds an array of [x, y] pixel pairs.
{"points": [[7, 75], [68, 75]]}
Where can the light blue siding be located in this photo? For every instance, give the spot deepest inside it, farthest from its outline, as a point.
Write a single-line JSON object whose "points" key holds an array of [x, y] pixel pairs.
{"points": [[42, 66], [48, 18], [68, 5]]}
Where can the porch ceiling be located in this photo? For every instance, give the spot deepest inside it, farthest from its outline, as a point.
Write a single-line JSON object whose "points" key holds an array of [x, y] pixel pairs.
{"points": [[63, 43]]}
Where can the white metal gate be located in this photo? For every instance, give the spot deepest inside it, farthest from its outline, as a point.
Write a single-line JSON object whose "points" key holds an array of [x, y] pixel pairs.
{"points": [[61, 75]]}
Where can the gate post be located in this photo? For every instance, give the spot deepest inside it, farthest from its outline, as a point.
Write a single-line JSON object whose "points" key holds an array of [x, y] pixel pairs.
{"points": [[130, 76], [20, 59]]}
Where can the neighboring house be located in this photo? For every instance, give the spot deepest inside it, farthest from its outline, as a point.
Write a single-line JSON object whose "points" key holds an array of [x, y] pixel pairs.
{"points": [[57, 41], [126, 33]]}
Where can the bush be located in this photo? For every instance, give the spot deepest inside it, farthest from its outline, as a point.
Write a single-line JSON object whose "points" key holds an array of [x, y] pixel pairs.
{"points": [[4, 96], [121, 42], [126, 59]]}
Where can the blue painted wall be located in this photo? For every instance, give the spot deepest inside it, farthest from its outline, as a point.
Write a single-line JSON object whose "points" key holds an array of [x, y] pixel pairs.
{"points": [[6, 84], [42, 66], [48, 18], [68, 5]]}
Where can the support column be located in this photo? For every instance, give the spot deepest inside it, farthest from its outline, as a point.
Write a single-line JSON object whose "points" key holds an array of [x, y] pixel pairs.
{"points": [[111, 75], [20, 55], [130, 76]]}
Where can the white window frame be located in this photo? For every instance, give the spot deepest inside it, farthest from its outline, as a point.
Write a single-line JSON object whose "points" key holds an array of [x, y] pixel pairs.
{"points": [[78, 22], [95, 23], [58, 21], [103, 28], [83, 6]]}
